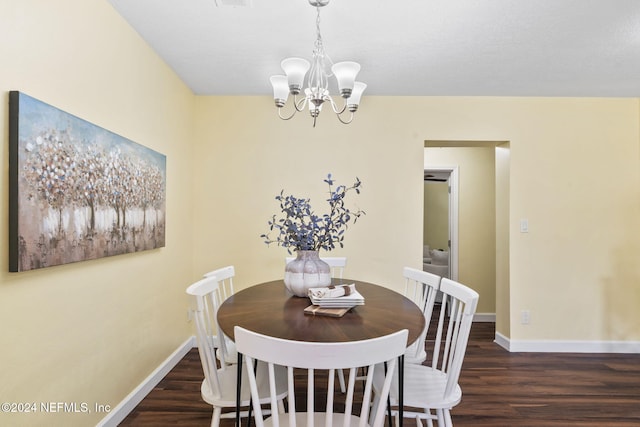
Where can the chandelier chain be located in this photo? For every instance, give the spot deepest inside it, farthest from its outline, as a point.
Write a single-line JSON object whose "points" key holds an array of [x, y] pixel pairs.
{"points": [[318, 34], [318, 51], [318, 80]]}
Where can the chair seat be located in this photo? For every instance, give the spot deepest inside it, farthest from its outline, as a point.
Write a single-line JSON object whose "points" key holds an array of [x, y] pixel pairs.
{"points": [[414, 354], [319, 420], [421, 384], [228, 377], [231, 355]]}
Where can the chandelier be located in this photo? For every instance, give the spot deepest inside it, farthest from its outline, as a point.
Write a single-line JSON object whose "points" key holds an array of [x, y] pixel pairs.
{"points": [[316, 92]]}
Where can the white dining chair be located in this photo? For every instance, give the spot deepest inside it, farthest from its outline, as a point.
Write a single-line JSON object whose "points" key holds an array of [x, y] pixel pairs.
{"points": [[435, 386], [224, 277], [219, 385], [421, 287], [321, 356]]}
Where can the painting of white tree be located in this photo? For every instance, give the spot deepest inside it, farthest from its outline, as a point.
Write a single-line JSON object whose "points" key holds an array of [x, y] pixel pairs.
{"points": [[77, 191]]}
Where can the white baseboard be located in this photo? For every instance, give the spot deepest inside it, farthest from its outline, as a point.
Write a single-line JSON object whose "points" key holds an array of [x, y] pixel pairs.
{"points": [[557, 346], [502, 341], [484, 317], [128, 404]]}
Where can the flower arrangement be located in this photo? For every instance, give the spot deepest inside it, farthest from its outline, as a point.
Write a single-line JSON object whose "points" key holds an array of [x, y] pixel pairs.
{"points": [[301, 229]]}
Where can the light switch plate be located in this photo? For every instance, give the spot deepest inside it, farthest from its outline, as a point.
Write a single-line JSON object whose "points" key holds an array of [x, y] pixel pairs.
{"points": [[524, 225]]}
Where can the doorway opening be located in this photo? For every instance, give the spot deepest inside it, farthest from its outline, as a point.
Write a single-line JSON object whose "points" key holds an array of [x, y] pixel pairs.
{"points": [[440, 232], [480, 249]]}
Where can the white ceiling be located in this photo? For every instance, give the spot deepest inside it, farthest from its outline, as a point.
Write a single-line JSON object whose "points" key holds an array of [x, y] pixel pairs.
{"points": [[408, 47]]}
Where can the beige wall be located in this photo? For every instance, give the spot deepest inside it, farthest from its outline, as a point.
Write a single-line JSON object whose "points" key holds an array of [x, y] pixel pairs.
{"points": [[244, 160], [583, 229], [436, 215], [476, 216], [92, 331]]}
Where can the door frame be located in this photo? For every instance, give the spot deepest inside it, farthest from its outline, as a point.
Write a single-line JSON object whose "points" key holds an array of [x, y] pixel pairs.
{"points": [[453, 214]]}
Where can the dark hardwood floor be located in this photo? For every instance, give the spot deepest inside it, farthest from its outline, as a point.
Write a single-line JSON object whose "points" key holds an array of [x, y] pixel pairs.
{"points": [[499, 389]]}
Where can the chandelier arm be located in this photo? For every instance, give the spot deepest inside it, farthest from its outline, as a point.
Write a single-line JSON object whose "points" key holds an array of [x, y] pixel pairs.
{"points": [[286, 118], [343, 121], [334, 106], [299, 104]]}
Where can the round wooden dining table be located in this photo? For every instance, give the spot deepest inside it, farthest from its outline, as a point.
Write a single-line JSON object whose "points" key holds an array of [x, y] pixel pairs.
{"points": [[269, 309]]}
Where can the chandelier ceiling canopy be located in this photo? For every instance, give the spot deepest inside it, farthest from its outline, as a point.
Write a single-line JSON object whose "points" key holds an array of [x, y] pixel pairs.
{"points": [[317, 73]]}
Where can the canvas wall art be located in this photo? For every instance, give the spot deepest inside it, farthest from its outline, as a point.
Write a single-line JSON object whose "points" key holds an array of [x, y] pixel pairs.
{"points": [[77, 191]]}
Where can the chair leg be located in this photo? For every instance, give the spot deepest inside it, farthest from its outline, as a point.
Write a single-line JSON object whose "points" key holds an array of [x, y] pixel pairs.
{"points": [[441, 418], [429, 417], [343, 388], [447, 416], [215, 419]]}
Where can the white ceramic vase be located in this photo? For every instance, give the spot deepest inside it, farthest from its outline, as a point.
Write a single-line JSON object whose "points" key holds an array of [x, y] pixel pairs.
{"points": [[306, 271]]}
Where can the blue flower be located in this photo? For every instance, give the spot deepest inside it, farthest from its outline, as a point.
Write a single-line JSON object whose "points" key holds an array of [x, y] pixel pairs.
{"points": [[302, 229]]}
